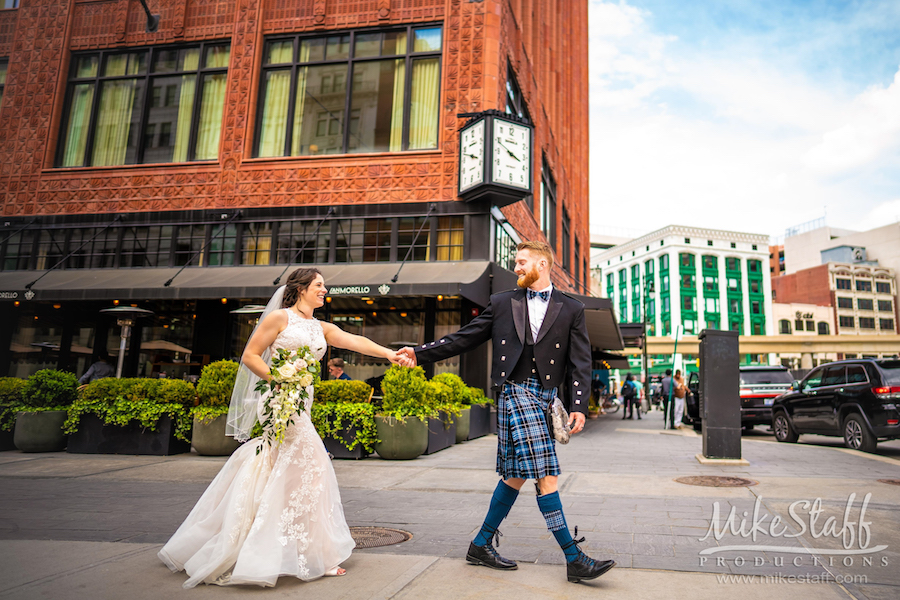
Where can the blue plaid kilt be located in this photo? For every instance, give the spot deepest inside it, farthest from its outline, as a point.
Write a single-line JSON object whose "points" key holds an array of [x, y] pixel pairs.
{"points": [[525, 448]]}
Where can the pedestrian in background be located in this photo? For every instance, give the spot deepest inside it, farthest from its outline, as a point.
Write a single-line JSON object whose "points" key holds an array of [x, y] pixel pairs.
{"points": [[680, 391], [100, 369], [630, 397], [336, 369], [665, 390]]}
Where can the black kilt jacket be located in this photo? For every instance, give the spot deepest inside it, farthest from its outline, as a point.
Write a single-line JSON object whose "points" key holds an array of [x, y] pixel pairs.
{"points": [[562, 351]]}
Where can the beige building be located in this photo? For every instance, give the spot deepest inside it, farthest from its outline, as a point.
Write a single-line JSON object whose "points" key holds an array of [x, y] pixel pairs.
{"points": [[880, 245]]}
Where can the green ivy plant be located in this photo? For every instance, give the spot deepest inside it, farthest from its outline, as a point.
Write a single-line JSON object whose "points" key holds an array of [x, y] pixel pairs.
{"points": [[49, 389], [10, 401], [214, 390], [121, 401], [335, 417]]}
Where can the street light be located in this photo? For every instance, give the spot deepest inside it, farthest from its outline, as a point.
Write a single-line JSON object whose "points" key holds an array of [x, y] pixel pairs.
{"points": [[648, 295], [125, 318]]}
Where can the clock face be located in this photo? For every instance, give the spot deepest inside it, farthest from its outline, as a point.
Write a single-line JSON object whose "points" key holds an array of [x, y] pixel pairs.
{"points": [[511, 154], [471, 156]]}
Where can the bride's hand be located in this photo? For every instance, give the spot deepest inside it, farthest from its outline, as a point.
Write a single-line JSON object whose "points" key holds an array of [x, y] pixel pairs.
{"points": [[397, 358]]}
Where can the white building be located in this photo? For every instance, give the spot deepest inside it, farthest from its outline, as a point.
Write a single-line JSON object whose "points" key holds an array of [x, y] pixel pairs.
{"points": [[701, 279]]}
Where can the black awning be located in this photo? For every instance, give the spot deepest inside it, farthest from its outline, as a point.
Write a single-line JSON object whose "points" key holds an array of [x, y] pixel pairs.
{"points": [[470, 279], [611, 360]]}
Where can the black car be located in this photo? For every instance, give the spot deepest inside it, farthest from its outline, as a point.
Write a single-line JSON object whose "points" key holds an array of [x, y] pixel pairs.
{"points": [[759, 386], [856, 399]]}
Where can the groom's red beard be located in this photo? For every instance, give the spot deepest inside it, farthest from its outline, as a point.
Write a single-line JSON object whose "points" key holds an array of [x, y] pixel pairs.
{"points": [[528, 278]]}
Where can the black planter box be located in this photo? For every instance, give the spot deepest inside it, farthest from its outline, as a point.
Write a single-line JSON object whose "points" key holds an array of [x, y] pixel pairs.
{"points": [[339, 450], [493, 418], [440, 435], [479, 420], [6, 440], [93, 437]]}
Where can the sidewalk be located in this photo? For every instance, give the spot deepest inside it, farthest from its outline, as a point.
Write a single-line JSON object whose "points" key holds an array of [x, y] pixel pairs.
{"points": [[89, 526]]}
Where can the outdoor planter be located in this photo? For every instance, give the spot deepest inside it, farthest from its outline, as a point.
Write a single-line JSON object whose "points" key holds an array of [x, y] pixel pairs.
{"points": [[209, 439], [401, 440], [441, 433], [93, 437], [339, 450], [463, 422], [40, 431], [479, 421], [493, 419]]}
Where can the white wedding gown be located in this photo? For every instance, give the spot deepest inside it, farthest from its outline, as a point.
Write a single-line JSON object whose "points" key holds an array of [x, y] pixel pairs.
{"points": [[272, 514]]}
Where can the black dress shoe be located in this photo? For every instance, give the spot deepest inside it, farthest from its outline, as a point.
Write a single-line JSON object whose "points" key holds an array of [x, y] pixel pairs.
{"points": [[584, 567], [488, 557]]}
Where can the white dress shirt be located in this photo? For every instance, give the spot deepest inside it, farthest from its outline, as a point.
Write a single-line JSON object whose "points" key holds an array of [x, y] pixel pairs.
{"points": [[537, 309]]}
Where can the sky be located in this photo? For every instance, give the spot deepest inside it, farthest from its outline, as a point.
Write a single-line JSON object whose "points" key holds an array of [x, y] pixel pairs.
{"points": [[744, 115]]}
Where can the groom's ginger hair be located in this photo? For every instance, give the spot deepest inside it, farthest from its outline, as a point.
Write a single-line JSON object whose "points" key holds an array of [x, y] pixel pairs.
{"points": [[538, 247]]}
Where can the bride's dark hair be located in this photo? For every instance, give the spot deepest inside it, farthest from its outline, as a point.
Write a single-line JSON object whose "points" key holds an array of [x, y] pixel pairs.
{"points": [[298, 281]]}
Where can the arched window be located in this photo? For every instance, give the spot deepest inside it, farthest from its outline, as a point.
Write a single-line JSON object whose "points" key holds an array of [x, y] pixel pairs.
{"points": [[824, 329], [785, 326]]}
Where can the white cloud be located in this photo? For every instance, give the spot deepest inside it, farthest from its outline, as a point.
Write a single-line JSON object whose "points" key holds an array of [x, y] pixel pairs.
{"points": [[871, 131], [724, 138]]}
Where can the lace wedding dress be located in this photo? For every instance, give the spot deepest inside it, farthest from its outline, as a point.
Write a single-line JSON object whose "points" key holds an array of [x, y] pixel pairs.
{"points": [[268, 514]]}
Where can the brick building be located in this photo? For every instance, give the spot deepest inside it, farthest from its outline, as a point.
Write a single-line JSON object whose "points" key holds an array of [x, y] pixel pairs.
{"points": [[246, 136]]}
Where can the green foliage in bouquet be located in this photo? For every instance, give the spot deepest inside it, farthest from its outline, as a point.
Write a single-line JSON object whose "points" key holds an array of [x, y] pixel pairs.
{"points": [[214, 390], [49, 389], [120, 401], [10, 401]]}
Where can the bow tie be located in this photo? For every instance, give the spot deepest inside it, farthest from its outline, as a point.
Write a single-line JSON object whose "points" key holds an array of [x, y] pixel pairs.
{"points": [[545, 296]]}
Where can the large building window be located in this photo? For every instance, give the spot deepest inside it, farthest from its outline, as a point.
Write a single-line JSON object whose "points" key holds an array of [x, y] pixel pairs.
{"points": [[882, 287], [864, 304], [146, 246], [885, 306], [548, 205], [359, 91], [155, 105], [886, 324], [846, 321], [4, 65], [845, 302], [566, 237], [866, 323], [842, 284], [863, 285], [824, 329], [10, 3], [784, 327]]}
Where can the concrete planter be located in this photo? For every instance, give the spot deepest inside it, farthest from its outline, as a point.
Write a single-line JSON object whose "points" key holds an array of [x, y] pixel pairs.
{"points": [[209, 439], [401, 441], [463, 423], [441, 433], [339, 450], [40, 431], [93, 437], [479, 421]]}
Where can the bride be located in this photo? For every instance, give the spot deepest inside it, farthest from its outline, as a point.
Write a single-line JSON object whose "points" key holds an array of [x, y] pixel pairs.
{"points": [[273, 510]]}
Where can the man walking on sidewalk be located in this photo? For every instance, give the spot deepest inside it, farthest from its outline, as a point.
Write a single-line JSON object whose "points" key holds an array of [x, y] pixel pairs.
{"points": [[540, 342]]}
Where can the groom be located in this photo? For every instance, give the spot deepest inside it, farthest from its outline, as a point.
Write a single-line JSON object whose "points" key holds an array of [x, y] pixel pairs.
{"points": [[539, 343]]}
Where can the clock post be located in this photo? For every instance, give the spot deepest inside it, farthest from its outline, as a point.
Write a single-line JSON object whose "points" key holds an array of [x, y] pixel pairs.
{"points": [[495, 158]]}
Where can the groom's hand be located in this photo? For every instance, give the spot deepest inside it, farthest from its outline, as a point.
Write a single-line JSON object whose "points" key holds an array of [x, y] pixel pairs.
{"points": [[410, 355], [578, 419]]}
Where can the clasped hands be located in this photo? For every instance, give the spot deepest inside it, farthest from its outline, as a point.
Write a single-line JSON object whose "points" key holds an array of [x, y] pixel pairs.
{"points": [[405, 357]]}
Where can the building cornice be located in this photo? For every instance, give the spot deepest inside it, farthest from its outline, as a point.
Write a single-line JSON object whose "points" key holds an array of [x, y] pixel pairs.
{"points": [[683, 231]]}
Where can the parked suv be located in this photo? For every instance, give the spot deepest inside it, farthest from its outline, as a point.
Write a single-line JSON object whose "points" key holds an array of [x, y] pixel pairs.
{"points": [[760, 385], [856, 399]]}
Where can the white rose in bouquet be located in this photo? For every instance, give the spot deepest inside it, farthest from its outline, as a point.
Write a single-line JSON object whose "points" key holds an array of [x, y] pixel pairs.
{"points": [[306, 380], [286, 371], [300, 364]]}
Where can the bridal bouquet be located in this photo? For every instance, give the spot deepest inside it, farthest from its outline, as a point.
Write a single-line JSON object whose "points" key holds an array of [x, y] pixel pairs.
{"points": [[293, 372]]}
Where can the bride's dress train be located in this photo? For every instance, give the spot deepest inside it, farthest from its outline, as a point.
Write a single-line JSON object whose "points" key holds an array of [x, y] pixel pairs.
{"points": [[268, 514]]}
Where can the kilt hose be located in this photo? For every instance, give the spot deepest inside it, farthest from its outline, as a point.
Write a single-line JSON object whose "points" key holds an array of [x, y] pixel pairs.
{"points": [[525, 448]]}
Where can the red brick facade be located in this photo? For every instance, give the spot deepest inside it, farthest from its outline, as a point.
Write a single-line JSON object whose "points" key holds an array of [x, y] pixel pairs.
{"points": [[545, 42], [809, 286]]}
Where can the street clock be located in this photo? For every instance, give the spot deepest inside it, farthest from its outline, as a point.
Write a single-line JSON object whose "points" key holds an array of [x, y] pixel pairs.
{"points": [[495, 158]]}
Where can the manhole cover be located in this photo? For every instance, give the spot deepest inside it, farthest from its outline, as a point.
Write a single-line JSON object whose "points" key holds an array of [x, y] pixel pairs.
{"points": [[716, 481], [890, 481], [375, 537]]}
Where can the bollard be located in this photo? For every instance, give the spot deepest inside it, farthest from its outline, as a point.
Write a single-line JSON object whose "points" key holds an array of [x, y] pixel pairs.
{"points": [[720, 399]]}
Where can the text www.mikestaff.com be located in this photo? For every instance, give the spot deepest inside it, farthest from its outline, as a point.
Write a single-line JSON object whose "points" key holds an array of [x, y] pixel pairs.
{"points": [[801, 578]]}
